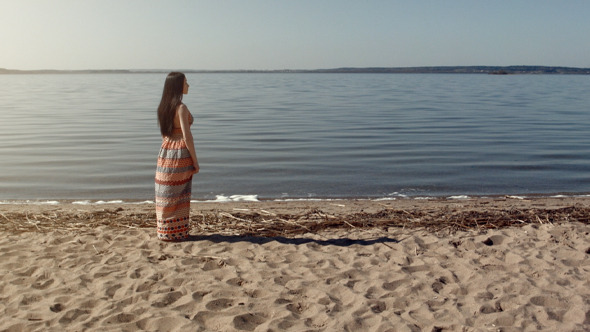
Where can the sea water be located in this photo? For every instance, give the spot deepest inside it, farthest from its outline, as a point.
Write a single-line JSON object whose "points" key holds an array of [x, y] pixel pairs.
{"points": [[94, 137]]}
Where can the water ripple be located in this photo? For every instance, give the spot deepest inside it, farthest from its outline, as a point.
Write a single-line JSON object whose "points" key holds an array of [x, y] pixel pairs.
{"points": [[292, 135]]}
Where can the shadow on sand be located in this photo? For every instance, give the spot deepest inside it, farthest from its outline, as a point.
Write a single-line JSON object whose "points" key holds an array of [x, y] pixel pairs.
{"points": [[342, 242]]}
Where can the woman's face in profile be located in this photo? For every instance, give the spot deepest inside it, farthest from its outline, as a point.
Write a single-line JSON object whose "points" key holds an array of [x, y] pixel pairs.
{"points": [[186, 86]]}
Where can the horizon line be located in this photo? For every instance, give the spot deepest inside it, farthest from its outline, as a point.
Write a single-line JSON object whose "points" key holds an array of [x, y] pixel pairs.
{"points": [[332, 68], [434, 69]]}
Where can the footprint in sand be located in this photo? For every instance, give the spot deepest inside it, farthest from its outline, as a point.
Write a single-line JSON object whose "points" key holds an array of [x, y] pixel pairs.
{"points": [[26, 273], [198, 296], [378, 306], [114, 260], [546, 301], [350, 284], [415, 268], [333, 305], [505, 321], [219, 304], [136, 274], [282, 301], [235, 282], [352, 274], [485, 296], [168, 299], [282, 280], [159, 324], [391, 286], [102, 273], [248, 322], [287, 323], [58, 307], [296, 308], [372, 293], [120, 318], [42, 283], [145, 286], [28, 299], [191, 261], [89, 304], [110, 292], [494, 240], [439, 284], [489, 309], [213, 265], [201, 317], [73, 315], [256, 293]]}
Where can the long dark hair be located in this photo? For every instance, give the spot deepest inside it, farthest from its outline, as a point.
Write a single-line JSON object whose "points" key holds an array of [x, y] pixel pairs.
{"points": [[171, 99]]}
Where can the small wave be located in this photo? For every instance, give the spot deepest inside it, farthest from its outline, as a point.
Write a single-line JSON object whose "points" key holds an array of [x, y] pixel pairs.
{"points": [[385, 199], [27, 202], [515, 197], [458, 197], [109, 202], [87, 202], [254, 198], [232, 198], [306, 199], [144, 202], [392, 197]]}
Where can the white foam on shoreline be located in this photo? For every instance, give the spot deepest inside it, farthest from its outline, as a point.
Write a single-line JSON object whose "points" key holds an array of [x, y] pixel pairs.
{"points": [[517, 197], [307, 199], [458, 197], [385, 199], [28, 202], [87, 202], [254, 198], [232, 198], [84, 202]]}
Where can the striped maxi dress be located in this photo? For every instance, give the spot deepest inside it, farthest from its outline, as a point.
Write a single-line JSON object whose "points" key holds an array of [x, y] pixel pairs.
{"points": [[173, 188]]}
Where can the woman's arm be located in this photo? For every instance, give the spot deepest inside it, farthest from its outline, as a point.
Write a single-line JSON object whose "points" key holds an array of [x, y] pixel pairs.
{"points": [[183, 115]]}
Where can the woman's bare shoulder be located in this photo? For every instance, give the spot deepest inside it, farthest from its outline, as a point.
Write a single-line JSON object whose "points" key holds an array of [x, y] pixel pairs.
{"points": [[182, 110]]}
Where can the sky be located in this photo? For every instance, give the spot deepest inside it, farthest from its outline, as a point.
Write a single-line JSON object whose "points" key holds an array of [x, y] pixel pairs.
{"points": [[291, 34]]}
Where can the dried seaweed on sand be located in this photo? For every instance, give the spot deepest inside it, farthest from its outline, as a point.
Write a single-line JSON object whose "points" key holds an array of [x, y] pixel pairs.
{"points": [[260, 222]]}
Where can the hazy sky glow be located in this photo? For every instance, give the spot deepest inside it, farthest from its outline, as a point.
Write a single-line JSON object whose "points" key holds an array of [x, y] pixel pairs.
{"points": [[301, 34]]}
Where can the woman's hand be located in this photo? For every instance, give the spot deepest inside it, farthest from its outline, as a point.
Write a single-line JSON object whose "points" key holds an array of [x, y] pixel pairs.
{"points": [[184, 115]]}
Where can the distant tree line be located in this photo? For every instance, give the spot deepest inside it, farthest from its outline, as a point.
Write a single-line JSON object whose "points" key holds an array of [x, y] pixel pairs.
{"points": [[464, 70]]}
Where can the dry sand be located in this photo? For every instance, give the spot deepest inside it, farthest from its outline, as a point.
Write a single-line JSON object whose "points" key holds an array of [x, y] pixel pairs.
{"points": [[497, 264]]}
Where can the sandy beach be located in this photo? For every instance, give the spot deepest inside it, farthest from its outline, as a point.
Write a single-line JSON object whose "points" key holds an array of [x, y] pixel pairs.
{"points": [[485, 264]]}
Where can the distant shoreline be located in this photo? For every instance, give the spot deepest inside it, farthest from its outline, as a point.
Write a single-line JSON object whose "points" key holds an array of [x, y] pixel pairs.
{"points": [[492, 70]]}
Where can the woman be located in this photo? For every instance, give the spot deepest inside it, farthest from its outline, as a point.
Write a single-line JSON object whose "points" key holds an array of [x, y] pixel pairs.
{"points": [[177, 161]]}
